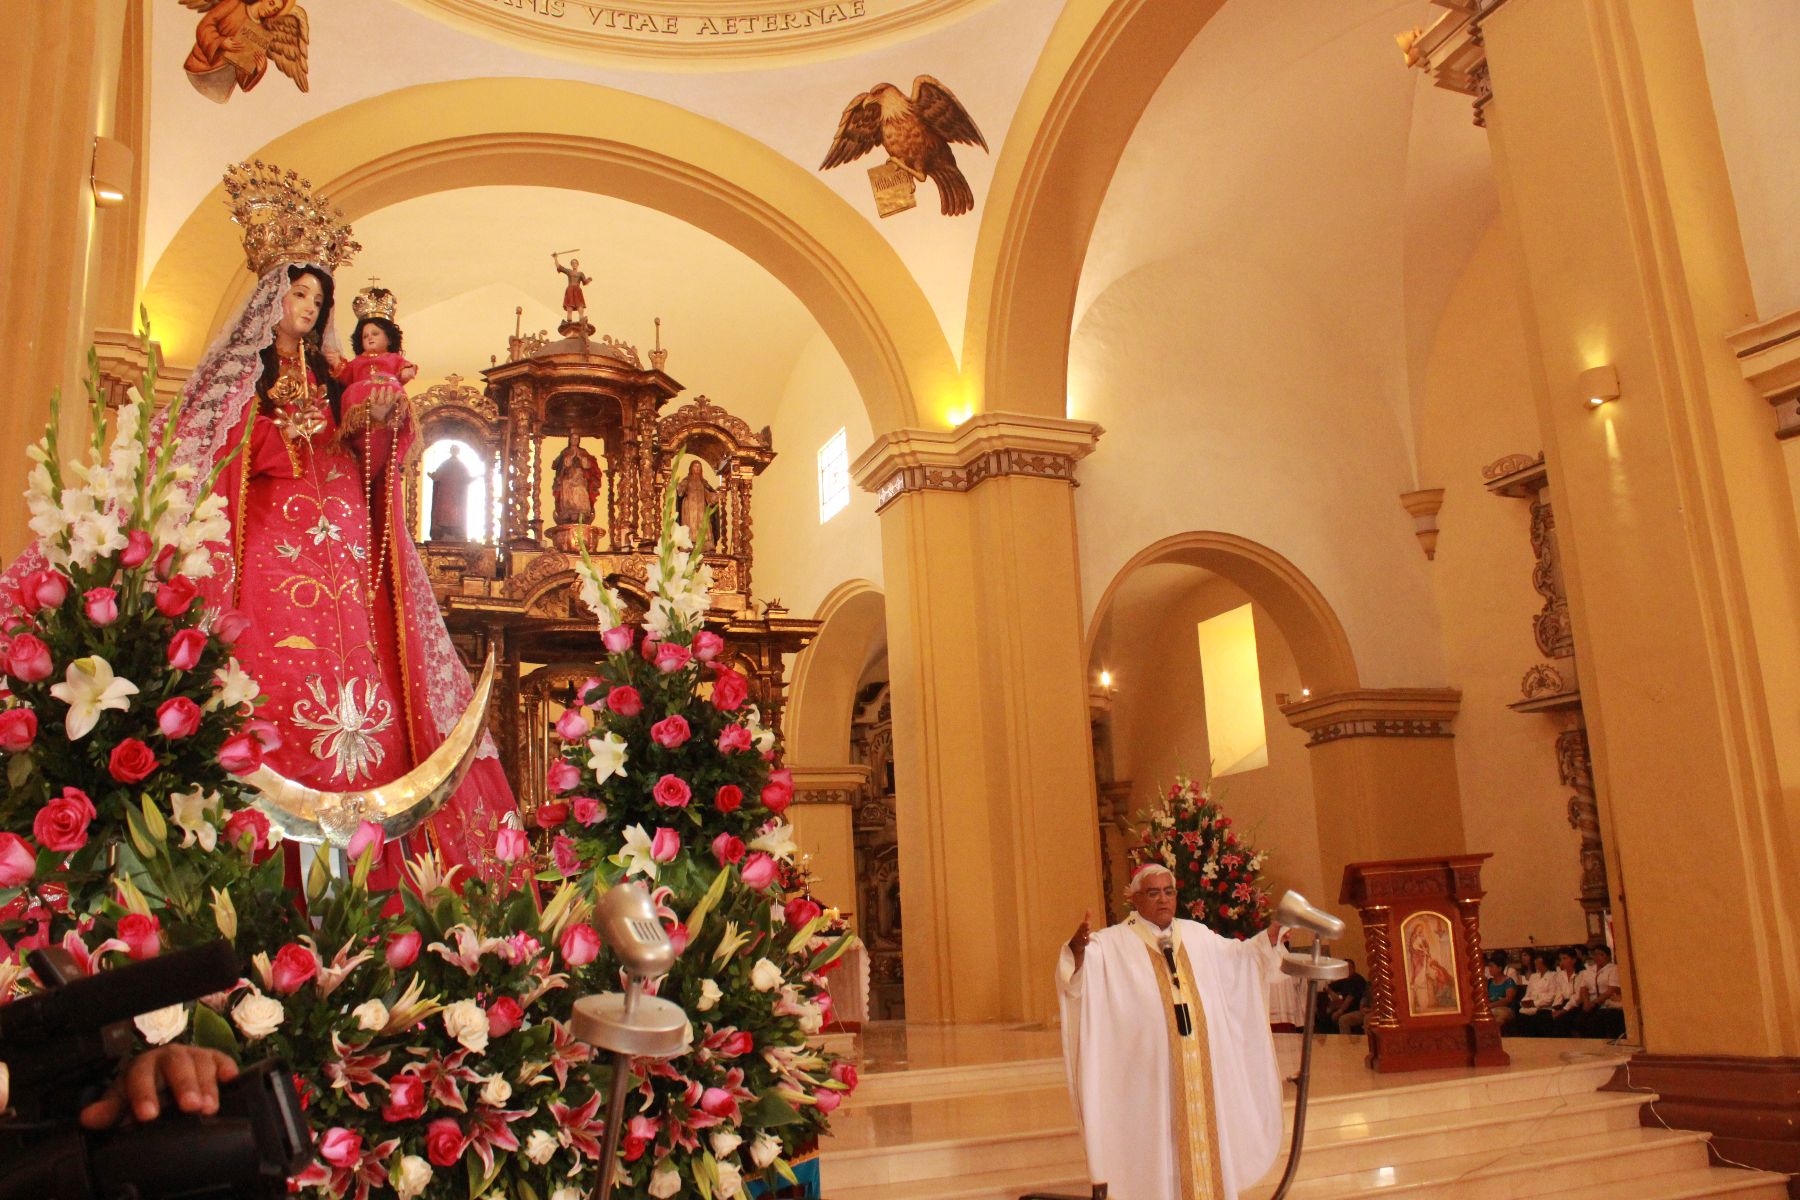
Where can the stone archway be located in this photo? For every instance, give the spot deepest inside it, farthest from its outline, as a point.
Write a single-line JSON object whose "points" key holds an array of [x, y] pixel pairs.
{"points": [[558, 133]]}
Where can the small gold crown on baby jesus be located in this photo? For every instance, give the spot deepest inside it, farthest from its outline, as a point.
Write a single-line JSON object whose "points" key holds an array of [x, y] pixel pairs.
{"points": [[284, 221], [375, 301]]}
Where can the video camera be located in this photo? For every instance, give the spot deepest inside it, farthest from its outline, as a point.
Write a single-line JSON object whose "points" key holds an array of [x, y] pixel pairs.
{"points": [[64, 1043]]}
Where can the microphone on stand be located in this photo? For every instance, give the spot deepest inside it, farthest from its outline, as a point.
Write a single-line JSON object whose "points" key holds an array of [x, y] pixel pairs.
{"points": [[1296, 912]]}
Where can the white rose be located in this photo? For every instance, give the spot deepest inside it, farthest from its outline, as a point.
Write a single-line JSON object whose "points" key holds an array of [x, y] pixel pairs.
{"points": [[765, 976], [665, 1182], [540, 1147], [370, 1015], [811, 1019], [765, 1150], [412, 1177], [724, 1142], [565, 1193], [709, 995], [496, 1091], [731, 1182], [468, 1024], [258, 1016], [163, 1025]]}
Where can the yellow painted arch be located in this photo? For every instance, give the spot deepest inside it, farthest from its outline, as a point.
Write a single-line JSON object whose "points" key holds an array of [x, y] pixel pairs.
{"points": [[558, 133], [1101, 66], [825, 675]]}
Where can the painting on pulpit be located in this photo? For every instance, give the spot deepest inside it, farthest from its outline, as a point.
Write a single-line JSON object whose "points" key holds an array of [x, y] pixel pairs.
{"points": [[1429, 955]]}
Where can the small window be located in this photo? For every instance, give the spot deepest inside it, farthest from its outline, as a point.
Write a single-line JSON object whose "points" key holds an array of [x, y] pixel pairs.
{"points": [[1236, 736], [834, 477]]}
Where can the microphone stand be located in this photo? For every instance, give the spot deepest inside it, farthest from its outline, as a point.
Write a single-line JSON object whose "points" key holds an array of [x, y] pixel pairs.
{"points": [[1313, 970]]}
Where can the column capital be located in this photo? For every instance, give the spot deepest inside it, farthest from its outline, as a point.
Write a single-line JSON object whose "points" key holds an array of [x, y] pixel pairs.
{"points": [[986, 446], [1769, 355], [1375, 712], [829, 785]]}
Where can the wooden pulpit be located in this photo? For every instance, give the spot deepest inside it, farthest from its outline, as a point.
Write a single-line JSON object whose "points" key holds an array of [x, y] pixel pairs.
{"points": [[1427, 985]]}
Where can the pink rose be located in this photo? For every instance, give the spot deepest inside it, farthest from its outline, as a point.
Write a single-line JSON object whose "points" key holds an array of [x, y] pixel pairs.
{"points": [[294, 965], [708, 645], [520, 947], [671, 658], [647, 647], [340, 1147], [504, 1016], [738, 1042], [18, 729], [728, 849], [249, 821], [510, 845], [664, 846], [18, 862], [776, 798], [403, 950], [758, 871], [185, 649], [370, 838], [617, 640], [672, 792], [827, 1099], [44, 588], [728, 798], [178, 717], [406, 1097], [580, 945], [241, 754], [799, 911], [137, 549], [266, 733], [844, 1072], [678, 936], [141, 934], [734, 739], [625, 701], [730, 689], [28, 659], [444, 1142], [101, 605], [231, 625], [670, 732], [561, 777], [165, 562], [549, 816], [130, 761], [176, 596], [565, 856], [717, 1102], [62, 824], [573, 725], [587, 810]]}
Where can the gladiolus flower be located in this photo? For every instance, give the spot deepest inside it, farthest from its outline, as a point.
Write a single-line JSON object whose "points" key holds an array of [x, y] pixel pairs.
{"points": [[18, 729], [730, 689], [178, 717], [18, 861], [580, 945], [130, 761], [510, 845], [294, 965], [176, 596], [141, 934], [671, 791], [670, 732], [625, 701], [663, 847], [101, 605], [185, 649]]}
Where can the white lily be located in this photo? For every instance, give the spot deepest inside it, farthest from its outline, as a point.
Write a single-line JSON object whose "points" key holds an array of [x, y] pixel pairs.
{"points": [[777, 841], [236, 686], [635, 853], [190, 810], [89, 689], [607, 757]]}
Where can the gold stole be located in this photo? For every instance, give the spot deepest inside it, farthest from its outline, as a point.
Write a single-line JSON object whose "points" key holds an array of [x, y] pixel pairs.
{"points": [[1190, 1064]]}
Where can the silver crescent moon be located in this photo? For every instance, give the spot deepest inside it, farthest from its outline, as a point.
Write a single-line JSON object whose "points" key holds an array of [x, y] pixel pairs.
{"points": [[331, 818]]}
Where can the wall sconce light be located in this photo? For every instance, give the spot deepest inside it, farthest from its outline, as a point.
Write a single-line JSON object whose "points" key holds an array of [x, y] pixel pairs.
{"points": [[1106, 679], [111, 176], [1599, 385]]}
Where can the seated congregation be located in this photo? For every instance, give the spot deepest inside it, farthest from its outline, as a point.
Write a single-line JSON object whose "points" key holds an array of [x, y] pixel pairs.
{"points": [[1532, 992]]}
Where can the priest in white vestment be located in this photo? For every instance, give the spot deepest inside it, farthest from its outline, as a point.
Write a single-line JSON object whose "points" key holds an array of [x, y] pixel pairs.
{"points": [[1170, 1060]]}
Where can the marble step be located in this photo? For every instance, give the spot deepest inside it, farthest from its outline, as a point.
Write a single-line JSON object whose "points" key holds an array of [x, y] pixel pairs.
{"points": [[1689, 1185], [889, 1087], [1393, 1097]]}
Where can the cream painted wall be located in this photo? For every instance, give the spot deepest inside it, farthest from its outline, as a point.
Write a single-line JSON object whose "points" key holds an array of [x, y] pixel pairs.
{"points": [[1479, 407], [1230, 406], [1751, 47], [1158, 716], [799, 561]]}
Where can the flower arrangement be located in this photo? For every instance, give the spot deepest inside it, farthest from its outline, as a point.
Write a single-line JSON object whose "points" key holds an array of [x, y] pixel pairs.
{"points": [[1217, 874]]}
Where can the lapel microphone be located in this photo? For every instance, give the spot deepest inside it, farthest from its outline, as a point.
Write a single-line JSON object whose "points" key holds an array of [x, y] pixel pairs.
{"points": [[1184, 1020]]}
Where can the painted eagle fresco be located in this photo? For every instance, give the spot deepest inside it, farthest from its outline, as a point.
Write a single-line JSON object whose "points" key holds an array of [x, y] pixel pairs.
{"points": [[236, 41], [915, 131]]}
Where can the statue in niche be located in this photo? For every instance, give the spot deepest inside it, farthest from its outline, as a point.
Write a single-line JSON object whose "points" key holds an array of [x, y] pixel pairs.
{"points": [[450, 498], [694, 506], [575, 481]]}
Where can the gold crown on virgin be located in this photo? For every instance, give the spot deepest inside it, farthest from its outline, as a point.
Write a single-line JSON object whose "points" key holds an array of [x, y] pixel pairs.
{"points": [[284, 221], [375, 301]]}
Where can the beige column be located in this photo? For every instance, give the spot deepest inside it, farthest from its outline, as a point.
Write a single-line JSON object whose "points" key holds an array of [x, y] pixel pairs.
{"points": [[823, 819], [57, 65], [999, 853], [1674, 510]]}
